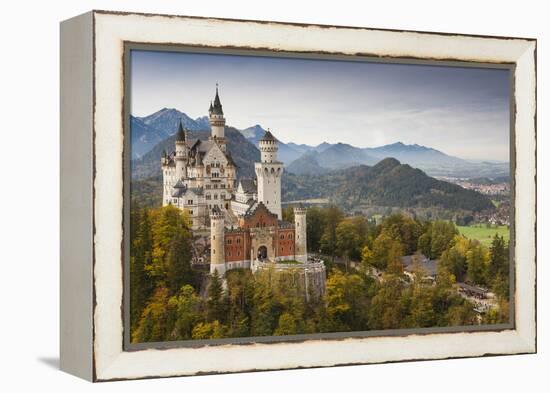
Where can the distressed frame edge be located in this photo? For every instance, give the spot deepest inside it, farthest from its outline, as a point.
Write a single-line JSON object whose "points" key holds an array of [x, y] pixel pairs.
{"points": [[528, 339]]}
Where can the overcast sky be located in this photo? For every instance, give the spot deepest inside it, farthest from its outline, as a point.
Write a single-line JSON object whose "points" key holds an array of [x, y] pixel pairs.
{"points": [[460, 111]]}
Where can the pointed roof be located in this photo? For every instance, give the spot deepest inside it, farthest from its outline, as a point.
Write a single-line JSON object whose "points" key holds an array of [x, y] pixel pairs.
{"points": [[268, 136], [217, 108], [180, 136]]}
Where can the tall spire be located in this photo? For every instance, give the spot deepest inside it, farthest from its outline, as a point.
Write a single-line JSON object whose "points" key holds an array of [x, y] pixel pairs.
{"points": [[217, 109], [180, 136]]}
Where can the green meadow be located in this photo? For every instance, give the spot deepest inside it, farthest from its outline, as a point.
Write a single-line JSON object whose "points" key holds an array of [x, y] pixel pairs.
{"points": [[484, 234]]}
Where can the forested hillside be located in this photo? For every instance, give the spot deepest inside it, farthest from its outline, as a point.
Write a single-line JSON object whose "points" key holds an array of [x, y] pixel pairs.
{"points": [[387, 183], [171, 300]]}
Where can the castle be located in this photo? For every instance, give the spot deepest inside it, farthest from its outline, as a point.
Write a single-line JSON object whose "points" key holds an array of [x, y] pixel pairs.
{"points": [[245, 222]]}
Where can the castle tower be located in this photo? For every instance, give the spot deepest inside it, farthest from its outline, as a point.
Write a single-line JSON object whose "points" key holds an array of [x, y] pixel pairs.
{"points": [[268, 174], [217, 250], [217, 121], [300, 236], [181, 153]]}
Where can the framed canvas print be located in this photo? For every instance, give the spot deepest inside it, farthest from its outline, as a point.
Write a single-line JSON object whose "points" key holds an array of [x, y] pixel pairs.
{"points": [[247, 195]]}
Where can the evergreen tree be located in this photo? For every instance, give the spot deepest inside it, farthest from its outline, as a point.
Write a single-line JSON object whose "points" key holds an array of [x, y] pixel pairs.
{"points": [[498, 269], [216, 302], [264, 314], [315, 225], [333, 216], [178, 262], [141, 285], [476, 259]]}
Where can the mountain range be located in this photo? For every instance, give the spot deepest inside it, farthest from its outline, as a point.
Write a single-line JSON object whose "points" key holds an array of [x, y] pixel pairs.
{"points": [[151, 130], [151, 134]]}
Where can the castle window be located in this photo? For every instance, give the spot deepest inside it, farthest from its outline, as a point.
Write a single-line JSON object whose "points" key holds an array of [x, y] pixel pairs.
{"points": [[208, 197], [229, 241], [191, 212], [215, 196], [214, 236], [215, 186], [238, 253], [208, 186], [238, 241], [290, 235], [190, 202]]}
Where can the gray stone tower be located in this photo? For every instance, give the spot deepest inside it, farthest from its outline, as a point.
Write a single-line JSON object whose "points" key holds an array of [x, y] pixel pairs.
{"points": [[268, 174], [217, 251], [217, 121], [300, 240], [181, 153]]}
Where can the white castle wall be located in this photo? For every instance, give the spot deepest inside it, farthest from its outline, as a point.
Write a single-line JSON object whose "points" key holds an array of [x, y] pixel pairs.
{"points": [[268, 174], [217, 124]]}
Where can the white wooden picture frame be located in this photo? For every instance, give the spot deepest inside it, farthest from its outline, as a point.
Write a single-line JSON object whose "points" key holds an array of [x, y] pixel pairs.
{"points": [[92, 202]]}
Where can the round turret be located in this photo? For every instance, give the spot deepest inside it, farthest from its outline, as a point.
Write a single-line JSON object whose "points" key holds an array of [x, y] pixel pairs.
{"points": [[181, 152], [217, 231], [268, 147], [217, 120]]}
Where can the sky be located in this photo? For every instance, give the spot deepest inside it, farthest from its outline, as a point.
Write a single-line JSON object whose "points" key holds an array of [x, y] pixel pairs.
{"points": [[461, 111]]}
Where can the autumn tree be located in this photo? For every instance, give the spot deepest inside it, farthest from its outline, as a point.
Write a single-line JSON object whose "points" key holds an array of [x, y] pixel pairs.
{"points": [[187, 308], [385, 250], [454, 258], [170, 230], [156, 321], [347, 302], [209, 330], [388, 308], [437, 238], [350, 237], [476, 259], [404, 230]]}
